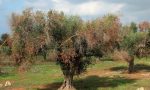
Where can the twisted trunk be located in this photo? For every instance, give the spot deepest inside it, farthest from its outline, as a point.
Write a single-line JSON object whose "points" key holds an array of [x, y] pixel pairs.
{"points": [[68, 73], [131, 65], [68, 83]]}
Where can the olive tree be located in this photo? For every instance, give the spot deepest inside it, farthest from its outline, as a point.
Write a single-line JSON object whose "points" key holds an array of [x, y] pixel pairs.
{"points": [[133, 27], [110, 24], [71, 45], [129, 47], [28, 35], [5, 44]]}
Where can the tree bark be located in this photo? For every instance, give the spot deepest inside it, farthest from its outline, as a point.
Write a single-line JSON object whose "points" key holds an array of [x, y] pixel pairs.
{"points": [[68, 83], [131, 66]]}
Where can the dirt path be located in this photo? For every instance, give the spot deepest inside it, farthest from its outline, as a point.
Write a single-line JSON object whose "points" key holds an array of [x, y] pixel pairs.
{"points": [[109, 73]]}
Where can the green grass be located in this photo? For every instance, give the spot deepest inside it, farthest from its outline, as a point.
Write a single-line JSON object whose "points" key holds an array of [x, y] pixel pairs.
{"points": [[49, 75]]}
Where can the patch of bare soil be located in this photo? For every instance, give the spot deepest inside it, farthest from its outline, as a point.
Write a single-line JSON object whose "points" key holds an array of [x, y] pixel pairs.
{"points": [[53, 86], [17, 89], [138, 75], [109, 73]]}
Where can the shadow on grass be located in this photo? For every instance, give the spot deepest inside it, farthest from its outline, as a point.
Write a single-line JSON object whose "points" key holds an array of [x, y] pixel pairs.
{"points": [[137, 68], [106, 59], [5, 74], [119, 68], [92, 83]]}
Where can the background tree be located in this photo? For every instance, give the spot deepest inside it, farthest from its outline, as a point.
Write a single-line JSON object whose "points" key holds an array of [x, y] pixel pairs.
{"points": [[28, 36], [5, 48], [111, 27], [133, 27], [129, 46], [144, 26], [148, 40], [5, 44], [147, 44], [124, 56], [103, 34]]}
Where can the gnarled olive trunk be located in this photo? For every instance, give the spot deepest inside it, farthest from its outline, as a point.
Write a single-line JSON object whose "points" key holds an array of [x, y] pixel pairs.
{"points": [[68, 80], [131, 65], [68, 83]]}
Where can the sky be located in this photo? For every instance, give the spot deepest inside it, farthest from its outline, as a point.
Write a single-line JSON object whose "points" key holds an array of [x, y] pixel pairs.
{"points": [[127, 10]]}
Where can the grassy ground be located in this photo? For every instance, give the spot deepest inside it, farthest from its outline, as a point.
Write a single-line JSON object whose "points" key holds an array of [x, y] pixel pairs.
{"points": [[105, 75]]}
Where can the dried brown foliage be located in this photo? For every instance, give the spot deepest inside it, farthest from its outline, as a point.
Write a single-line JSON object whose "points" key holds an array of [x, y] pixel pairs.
{"points": [[121, 55], [28, 35], [144, 26]]}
